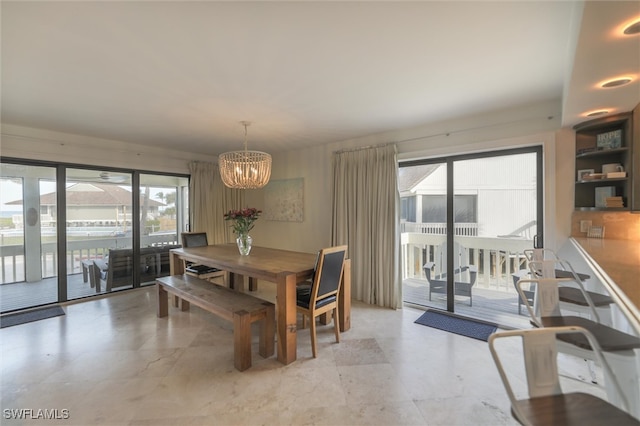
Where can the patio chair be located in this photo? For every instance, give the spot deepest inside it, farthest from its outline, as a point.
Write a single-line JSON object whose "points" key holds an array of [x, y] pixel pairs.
{"points": [[436, 273], [546, 403]]}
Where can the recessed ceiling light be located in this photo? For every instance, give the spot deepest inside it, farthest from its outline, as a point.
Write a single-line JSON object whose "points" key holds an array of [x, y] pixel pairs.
{"points": [[616, 82], [632, 29], [597, 113]]}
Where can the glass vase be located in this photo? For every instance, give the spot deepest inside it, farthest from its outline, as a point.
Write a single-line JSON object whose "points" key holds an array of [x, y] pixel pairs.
{"points": [[244, 244]]}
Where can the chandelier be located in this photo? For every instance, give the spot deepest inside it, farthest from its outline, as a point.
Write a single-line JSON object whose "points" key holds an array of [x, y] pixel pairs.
{"points": [[245, 169]]}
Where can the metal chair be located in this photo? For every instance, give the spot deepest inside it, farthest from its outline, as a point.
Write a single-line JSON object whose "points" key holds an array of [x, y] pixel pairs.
{"points": [[621, 349], [546, 403]]}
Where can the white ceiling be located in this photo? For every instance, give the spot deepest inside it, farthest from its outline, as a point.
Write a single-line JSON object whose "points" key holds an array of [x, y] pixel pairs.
{"points": [[184, 74]]}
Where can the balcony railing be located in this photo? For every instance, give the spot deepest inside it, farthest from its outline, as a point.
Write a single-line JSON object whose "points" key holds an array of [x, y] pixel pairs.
{"points": [[12, 267], [496, 258], [460, 229]]}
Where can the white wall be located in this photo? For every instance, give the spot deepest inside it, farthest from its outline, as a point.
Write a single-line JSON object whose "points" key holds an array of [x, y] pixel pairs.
{"points": [[529, 125], [39, 144]]}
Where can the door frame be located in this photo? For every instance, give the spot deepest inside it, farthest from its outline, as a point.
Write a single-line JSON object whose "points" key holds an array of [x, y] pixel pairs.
{"points": [[450, 161]]}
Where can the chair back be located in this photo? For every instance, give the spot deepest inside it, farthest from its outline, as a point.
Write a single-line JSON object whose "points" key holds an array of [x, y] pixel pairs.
{"points": [[460, 260], [543, 268], [194, 239], [538, 254], [550, 268], [548, 298], [328, 274]]}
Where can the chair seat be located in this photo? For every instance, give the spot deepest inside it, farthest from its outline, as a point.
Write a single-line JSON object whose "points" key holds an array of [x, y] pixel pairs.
{"points": [[578, 409], [575, 296], [610, 339], [303, 295]]}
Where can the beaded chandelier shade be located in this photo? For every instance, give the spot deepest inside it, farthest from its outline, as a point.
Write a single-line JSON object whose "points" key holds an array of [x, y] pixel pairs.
{"points": [[245, 169]]}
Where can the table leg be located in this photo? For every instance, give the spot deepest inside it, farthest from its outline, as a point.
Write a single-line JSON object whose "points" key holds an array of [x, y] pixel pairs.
{"points": [[286, 318], [163, 301], [236, 281], [344, 298], [176, 264]]}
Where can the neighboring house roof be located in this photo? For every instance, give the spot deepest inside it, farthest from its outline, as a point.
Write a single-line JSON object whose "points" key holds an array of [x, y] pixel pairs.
{"points": [[409, 177], [93, 194]]}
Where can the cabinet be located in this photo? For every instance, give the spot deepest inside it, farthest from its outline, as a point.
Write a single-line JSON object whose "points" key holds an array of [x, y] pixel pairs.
{"points": [[591, 156]]}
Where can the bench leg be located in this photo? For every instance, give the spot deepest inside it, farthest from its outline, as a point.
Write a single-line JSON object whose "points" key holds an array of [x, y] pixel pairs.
{"points": [[176, 301], [184, 305], [163, 301], [242, 340], [268, 332]]}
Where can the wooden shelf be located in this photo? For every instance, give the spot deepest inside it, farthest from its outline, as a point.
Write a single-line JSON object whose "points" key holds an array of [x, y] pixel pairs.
{"points": [[602, 180], [602, 152]]}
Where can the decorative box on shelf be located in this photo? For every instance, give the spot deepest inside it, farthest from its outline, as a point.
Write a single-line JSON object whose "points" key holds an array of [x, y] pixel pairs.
{"points": [[616, 175], [609, 140]]}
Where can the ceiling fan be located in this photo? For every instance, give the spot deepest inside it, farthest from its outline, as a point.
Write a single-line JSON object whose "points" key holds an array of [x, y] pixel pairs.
{"points": [[104, 177]]}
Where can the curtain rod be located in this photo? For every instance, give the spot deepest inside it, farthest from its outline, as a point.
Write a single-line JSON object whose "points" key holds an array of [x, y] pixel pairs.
{"points": [[434, 135], [360, 148]]}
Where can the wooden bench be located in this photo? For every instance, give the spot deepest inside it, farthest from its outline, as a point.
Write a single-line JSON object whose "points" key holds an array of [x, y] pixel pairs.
{"points": [[240, 308]]}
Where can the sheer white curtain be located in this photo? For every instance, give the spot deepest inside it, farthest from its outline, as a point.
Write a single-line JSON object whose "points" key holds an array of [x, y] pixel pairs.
{"points": [[209, 200], [366, 218]]}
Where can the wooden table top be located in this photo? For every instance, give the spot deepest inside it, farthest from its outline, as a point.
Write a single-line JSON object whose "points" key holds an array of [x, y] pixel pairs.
{"points": [[263, 262]]}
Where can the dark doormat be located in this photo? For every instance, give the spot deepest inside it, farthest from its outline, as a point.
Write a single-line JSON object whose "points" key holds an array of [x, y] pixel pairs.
{"points": [[30, 316], [462, 326]]}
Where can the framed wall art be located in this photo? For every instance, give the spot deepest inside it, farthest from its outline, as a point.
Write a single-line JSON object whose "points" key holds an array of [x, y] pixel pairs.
{"points": [[284, 200]]}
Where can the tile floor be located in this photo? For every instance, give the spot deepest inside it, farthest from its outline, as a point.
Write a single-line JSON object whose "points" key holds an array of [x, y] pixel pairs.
{"points": [[110, 361]]}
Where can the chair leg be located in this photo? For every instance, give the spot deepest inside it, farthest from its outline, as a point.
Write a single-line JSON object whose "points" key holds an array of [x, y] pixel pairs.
{"points": [[336, 329], [313, 337]]}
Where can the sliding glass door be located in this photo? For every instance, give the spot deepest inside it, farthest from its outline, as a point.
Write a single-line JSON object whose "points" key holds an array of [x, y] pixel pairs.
{"points": [[68, 231], [99, 211], [28, 236], [476, 215], [162, 219]]}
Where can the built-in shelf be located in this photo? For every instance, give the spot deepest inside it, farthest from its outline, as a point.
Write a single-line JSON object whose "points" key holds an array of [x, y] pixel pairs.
{"points": [[603, 141], [602, 180]]}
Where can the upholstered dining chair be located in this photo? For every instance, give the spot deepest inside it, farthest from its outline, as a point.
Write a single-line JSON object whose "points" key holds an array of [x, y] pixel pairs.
{"points": [[546, 403], [322, 295], [199, 239]]}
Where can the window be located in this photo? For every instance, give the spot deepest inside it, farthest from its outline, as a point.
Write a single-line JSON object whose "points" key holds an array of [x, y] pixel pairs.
{"points": [[408, 209], [434, 208]]}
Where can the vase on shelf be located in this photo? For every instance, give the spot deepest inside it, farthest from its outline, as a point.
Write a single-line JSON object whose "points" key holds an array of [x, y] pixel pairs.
{"points": [[244, 244]]}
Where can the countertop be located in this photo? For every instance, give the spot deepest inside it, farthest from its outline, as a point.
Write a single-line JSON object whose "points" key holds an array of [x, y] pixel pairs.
{"points": [[620, 260]]}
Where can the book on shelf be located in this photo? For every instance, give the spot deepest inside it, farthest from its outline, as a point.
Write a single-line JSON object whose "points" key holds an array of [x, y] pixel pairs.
{"points": [[613, 202]]}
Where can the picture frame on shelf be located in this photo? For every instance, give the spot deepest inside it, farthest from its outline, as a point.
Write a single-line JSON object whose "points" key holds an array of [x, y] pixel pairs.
{"points": [[609, 140], [584, 174]]}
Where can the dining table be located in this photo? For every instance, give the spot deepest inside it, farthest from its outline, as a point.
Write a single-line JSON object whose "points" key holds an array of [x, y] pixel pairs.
{"points": [[285, 268]]}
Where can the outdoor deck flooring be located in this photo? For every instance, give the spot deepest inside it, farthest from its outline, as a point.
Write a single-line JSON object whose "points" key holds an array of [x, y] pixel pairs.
{"points": [[498, 307], [23, 295]]}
